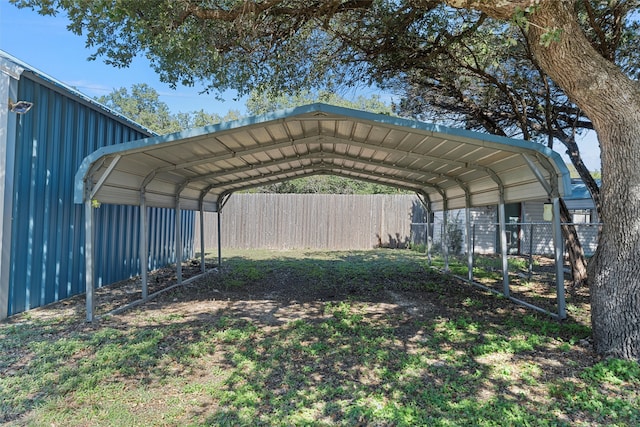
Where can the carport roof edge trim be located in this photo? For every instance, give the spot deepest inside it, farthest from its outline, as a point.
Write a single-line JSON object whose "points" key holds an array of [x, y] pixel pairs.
{"points": [[515, 145]]}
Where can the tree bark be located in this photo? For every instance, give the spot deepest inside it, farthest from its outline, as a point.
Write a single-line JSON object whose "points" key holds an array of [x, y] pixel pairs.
{"points": [[612, 101]]}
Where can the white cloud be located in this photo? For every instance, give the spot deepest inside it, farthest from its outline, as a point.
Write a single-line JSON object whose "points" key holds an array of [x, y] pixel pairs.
{"points": [[90, 88]]}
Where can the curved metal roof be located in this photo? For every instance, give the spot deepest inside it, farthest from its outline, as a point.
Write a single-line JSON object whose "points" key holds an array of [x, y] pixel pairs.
{"points": [[200, 167]]}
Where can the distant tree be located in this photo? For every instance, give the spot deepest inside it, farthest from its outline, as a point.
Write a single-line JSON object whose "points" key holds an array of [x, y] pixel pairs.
{"points": [[143, 106], [490, 81], [200, 118], [263, 102], [492, 85], [327, 184]]}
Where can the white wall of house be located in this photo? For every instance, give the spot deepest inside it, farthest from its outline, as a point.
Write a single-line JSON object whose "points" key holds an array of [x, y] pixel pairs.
{"points": [[531, 234]]}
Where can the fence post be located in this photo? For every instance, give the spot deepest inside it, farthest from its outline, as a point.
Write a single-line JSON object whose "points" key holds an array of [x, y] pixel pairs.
{"points": [[445, 241], [474, 239], [427, 235]]}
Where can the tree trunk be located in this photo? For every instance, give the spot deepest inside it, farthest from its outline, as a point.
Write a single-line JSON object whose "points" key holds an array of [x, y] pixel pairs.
{"points": [[614, 271], [574, 248], [612, 101]]}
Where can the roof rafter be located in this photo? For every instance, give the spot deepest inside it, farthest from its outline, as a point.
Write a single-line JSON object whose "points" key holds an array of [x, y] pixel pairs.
{"points": [[192, 169], [323, 155]]}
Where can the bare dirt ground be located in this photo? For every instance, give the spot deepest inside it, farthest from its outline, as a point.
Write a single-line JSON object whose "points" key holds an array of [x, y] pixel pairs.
{"points": [[287, 288], [455, 328]]}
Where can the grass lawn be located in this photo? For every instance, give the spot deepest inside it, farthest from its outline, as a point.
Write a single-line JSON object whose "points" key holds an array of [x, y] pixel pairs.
{"points": [[311, 338]]}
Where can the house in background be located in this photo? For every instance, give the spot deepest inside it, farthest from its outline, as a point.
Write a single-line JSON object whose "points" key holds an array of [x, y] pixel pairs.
{"points": [[581, 204], [42, 233], [527, 230], [584, 218]]}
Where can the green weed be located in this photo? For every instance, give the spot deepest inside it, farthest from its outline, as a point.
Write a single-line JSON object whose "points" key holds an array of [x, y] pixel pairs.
{"points": [[452, 356]]}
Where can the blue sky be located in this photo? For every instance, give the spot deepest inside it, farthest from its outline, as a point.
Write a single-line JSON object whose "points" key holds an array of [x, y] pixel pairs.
{"points": [[46, 44]]}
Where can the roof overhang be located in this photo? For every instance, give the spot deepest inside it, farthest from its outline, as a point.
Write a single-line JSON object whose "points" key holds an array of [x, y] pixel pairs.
{"points": [[197, 168]]}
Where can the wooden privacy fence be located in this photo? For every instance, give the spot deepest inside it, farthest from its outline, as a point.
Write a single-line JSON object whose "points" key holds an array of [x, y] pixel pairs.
{"points": [[314, 221]]}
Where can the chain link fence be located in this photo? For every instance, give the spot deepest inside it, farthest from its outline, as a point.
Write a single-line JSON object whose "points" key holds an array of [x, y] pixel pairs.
{"points": [[532, 238], [530, 260]]}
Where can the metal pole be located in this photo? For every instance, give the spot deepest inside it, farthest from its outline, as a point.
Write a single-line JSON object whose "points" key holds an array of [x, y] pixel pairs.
{"points": [[473, 249], [558, 252], [203, 267], [427, 236], [144, 251], [445, 240], [88, 257], [469, 251], [503, 249], [219, 239], [178, 238], [531, 251]]}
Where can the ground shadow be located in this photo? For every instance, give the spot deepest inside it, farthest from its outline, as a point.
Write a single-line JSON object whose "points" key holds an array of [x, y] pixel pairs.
{"points": [[335, 338]]}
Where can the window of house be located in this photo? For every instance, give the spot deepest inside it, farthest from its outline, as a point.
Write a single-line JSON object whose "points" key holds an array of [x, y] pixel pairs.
{"points": [[581, 216]]}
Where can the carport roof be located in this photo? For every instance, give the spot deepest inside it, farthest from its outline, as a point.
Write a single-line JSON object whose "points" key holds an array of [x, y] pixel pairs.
{"points": [[198, 168]]}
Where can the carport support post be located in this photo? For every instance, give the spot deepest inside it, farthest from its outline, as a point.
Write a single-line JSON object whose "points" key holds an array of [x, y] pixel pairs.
{"points": [[503, 249], [424, 199], [219, 238], [558, 252], [469, 248], [144, 251], [88, 255], [444, 238], [178, 242], [203, 267], [427, 237]]}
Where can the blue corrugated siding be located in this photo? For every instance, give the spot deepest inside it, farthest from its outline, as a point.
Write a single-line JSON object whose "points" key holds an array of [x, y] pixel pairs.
{"points": [[47, 245]]}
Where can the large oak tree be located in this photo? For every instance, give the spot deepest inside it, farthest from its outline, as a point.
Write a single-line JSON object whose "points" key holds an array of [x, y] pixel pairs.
{"points": [[611, 99], [290, 44]]}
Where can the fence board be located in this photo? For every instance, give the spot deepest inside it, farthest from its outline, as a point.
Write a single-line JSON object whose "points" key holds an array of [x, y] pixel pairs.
{"points": [[314, 221]]}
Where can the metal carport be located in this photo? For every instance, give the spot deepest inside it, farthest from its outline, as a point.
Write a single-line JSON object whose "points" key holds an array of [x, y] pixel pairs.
{"points": [[199, 169]]}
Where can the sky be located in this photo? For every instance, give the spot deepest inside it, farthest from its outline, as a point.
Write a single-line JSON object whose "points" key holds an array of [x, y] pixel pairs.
{"points": [[44, 43]]}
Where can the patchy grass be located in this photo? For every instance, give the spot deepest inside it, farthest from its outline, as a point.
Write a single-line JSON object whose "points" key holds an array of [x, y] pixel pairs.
{"points": [[312, 338]]}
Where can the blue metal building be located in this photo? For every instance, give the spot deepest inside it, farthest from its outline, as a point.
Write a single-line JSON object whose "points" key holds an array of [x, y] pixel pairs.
{"points": [[42, 235]]}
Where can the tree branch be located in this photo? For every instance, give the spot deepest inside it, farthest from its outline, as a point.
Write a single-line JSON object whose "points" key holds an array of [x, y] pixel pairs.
{"points": [[504, 10], [247, 7], [603, 47]]}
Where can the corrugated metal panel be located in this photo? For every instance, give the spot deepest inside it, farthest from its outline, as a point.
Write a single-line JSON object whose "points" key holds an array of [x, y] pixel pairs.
{"points": [[47, 228], [208, 163]]}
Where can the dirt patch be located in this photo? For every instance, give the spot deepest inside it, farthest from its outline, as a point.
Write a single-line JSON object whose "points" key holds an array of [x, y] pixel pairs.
{"points": [[280, 286], [265, 332]]}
